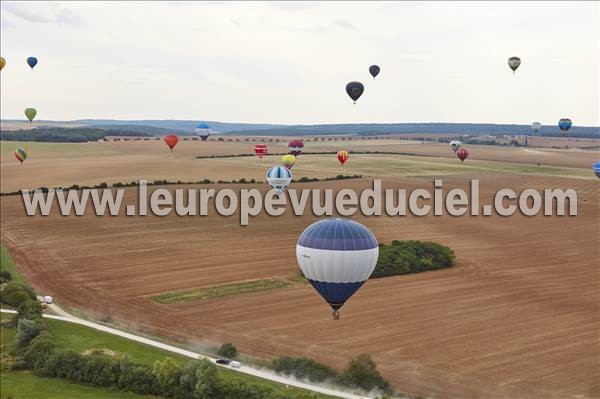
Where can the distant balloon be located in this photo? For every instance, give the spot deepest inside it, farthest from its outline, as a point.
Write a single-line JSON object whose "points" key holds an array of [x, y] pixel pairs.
{"points": [[462, 154], [171, 140], [355, 90], [20, 154], [374, 70], [288, 160], [32, 61], [596, 169], [30, 113], [565, 124], [455, 145], [2, 63], [261, 150], [536, 127], [203, 131], [295, 147], [337, 256], [513, 63], [279, 178], [342, 156]]}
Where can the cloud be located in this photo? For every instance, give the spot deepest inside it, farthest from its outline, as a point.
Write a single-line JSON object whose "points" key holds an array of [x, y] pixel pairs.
{"points": [[344, 24], [41, 12]]}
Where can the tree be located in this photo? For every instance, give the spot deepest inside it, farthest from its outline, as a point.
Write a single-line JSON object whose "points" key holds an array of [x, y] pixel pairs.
{"points": [[15, 293], [228, 350], [38, 352], [207, 376], [5, 276], [168, 374], [362, 373], [26, 331]]}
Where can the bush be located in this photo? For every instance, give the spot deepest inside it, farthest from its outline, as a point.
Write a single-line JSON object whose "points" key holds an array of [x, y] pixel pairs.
{"points": [[207, 377], [27, 330], [362, 373], [30, 309], [15, 293], [228, 350], [402, 257], [304, 368], [39, 350], [168, 374], [5, 276]]}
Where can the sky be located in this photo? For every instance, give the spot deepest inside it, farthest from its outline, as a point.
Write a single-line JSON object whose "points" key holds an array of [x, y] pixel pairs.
{"points": [[289, 62]]}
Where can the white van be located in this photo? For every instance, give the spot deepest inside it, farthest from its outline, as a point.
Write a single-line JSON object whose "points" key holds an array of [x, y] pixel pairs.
{"points": [[47, 299], [235, 364]]}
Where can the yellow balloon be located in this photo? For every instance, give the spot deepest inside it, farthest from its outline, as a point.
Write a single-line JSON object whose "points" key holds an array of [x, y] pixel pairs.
{"points": [[2, 63], [288, 160]]}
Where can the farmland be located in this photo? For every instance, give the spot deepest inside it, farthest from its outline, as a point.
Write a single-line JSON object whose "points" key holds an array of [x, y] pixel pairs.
{"points": [[516, 317]]}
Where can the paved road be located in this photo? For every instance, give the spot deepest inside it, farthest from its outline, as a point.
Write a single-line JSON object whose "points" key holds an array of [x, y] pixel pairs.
{"points": [[266, 374]]}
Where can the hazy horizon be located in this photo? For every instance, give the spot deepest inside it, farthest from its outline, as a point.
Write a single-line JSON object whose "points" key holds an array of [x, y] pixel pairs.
{"points": [[288, 63]]}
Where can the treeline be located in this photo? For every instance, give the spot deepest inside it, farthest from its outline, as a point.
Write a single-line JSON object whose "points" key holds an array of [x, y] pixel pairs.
{"points": [[65, 135], [360, 373], [404, 257], [365, 129], [179, 182]]}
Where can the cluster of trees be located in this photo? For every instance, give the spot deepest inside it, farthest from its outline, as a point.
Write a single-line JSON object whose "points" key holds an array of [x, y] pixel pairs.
{"points": [[403, 257], [66, 135], [360, 373]]}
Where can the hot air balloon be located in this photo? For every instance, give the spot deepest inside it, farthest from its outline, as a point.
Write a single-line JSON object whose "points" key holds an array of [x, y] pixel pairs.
{"points": [[513, 63], [279, 178], [288, 160], [355, 90], [455, 145], [462, 154], [203, 130], [2, 63], [536, 127], [20, 154], [342, 156], [374, 70], [171, 140], [32, 61], [261, 150], [565, 124], [295, 147], [337, 256], [596, 169], [30, 113]]}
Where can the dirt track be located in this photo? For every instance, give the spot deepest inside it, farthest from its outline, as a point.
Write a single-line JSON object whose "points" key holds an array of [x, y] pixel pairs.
{"points": [[517, 317]]}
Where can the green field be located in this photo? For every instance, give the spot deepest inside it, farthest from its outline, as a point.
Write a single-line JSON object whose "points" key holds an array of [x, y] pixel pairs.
{"points": [[24, 385], [6, 263], [219, 291]]}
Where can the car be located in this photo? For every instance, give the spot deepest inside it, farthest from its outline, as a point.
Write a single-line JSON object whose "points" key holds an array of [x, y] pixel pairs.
{"points": [[224, 362], [235, 364]]}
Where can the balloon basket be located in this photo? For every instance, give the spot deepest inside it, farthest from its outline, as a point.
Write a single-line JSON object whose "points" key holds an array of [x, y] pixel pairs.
{"points": [[336, 315]]}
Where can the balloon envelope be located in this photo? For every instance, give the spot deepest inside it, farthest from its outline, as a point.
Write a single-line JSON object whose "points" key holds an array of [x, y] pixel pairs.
{"points": [[455, 145], [261, 150], [20, 154], [288, 160], [355, 90], [374, 70], [279, 178], [342, 157], [203, 131], [295, 147], [2, 63], [513, 63], [536, 127], [337, 256], [596, 169], [171, 140], [30, 113], [565, 124], [32, 61], [462, 154]]}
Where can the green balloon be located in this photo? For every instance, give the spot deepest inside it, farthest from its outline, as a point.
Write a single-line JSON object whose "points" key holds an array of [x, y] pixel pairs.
{"points": [[30, 113]]}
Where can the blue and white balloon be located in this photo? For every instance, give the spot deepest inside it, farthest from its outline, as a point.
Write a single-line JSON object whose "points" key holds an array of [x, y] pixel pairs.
{"points": [[337, 256], [203, 130], [279, 178]]}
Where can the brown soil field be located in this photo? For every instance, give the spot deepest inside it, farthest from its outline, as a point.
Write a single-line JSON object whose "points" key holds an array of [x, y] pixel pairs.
{"points": [[517, 317], [61, 165]]}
